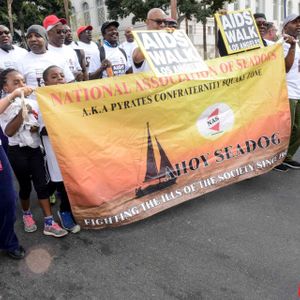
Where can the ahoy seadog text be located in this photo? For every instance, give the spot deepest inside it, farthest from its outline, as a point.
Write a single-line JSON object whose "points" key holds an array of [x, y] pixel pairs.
{"points": [[222, 154]]}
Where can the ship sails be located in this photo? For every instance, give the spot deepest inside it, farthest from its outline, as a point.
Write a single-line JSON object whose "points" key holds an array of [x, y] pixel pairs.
{"points": [[152, 173]]}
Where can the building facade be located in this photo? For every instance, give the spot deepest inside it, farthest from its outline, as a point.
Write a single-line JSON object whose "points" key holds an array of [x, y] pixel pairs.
{"points": [[94, 12]]}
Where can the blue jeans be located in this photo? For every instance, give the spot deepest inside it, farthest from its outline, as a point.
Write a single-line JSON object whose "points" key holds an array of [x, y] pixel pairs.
{"points": [[8, 197]]}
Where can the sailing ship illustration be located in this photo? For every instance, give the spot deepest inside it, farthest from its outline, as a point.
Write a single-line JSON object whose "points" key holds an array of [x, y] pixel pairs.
{"points": [[152, 173]]}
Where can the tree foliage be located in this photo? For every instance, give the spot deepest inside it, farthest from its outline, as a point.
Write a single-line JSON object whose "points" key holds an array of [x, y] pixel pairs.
{"points": [[29, 12], [185, 8]]}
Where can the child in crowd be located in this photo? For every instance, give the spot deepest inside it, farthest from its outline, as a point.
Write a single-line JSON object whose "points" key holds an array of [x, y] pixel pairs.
{"points": [[54, 75], [8, 239], [19, 122]]}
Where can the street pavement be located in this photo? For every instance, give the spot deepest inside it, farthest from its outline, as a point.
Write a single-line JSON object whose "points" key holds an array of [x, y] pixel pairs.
{"points": [[240, 242]]}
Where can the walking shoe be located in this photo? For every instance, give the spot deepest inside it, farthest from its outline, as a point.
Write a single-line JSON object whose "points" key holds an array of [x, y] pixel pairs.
{"points": [[67, 222], [29, 223], [52, 199], [18, 253], [292, 164], [54, 230], [281, 168]]}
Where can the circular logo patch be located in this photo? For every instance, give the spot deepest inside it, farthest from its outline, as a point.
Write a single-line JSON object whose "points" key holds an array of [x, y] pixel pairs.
{"points": [[215, 121]]}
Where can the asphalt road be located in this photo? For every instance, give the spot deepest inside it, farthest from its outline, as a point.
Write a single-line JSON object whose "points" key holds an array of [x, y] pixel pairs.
{"points": [[240, 242]]}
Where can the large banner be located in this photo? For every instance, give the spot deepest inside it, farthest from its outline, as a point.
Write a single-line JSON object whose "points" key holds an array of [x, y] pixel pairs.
{"points": [[132, 146]]}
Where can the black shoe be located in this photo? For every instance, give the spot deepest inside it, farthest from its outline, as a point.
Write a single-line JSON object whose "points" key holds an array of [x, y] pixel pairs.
{"points": [[18, 253], [292, 164], [281, 168]]}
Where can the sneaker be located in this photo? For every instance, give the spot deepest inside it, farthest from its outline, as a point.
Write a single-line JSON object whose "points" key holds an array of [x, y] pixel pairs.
{"points": [[54, 230], [281, 168], [292, 164], [67, 222], [29, 223], [52, 199], [18, 253]]}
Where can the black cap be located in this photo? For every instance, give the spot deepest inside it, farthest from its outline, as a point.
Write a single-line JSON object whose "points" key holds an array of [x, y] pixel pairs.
{"points": [[107, 24], [259, 15]]}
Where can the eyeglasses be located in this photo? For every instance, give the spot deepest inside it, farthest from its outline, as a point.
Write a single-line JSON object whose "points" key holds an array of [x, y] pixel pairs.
{"points": [[159, 21], [61, 31], [88, 31], [261, 23], [6, 32]]}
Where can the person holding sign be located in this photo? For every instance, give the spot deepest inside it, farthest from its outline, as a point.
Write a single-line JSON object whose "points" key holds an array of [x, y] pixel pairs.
{"points": [[291, 32], [238, 32], [156, 20]]}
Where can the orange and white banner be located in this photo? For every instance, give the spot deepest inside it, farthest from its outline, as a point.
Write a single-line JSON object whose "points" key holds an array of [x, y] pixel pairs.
{"points": [[131, 146]]}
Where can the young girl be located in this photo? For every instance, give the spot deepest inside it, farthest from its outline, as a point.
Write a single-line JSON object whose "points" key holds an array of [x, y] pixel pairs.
{"points": [[19, 123], [54, 75]]}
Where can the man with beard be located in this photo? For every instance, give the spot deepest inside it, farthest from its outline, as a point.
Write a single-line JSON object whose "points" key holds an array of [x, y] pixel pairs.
{"points": [[111, 56], [9, 54], [156, 20], [56, 36], [291, 32]]}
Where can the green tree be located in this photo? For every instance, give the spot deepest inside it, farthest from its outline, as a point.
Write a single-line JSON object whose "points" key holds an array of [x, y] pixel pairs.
{"points": [[28, 12], [186, 9]]}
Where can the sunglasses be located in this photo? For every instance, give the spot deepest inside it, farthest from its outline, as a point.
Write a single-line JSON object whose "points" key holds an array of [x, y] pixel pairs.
{"points": [[4, 32], [61, 31], [261, 23], [159, 21]]}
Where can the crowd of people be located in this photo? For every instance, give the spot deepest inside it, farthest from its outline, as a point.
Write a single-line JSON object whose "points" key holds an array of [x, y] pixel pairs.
{"points": [[53, 57]]}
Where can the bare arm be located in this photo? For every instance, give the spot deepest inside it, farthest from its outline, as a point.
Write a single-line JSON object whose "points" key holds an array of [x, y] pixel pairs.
{"points": [[13, 126], [138, 56], [290, 57], [98, 73], [7, 100]]}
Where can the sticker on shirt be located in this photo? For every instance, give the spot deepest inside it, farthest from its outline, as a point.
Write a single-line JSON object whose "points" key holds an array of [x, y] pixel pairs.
{"points": [[118, 69], [39, 77]]}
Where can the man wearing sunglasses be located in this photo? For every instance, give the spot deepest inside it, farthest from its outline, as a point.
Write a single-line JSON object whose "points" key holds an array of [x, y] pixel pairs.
{"points": [[156, 20], [9, 53], [56, 33]]}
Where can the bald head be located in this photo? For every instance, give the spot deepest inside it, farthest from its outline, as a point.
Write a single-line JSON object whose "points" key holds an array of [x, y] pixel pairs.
{"points": [[156, 19], [129, 35]]}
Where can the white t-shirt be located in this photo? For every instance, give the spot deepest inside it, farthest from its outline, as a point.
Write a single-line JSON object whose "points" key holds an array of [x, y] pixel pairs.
{"points": [[9, 59], [68, 54], [128, 48], [73, 45], [120, 64], [23, 137], [52, 164], [92, 55], [33, 65], [293, 76]]}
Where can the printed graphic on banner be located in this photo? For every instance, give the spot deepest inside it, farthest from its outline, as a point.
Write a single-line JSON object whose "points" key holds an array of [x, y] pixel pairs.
{"points": [[132, 146], [239, 31], [169, 52]]}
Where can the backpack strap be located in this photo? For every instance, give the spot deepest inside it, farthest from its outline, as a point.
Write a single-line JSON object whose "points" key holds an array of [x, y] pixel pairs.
{"points": [[102, 53], [123, 51]]}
